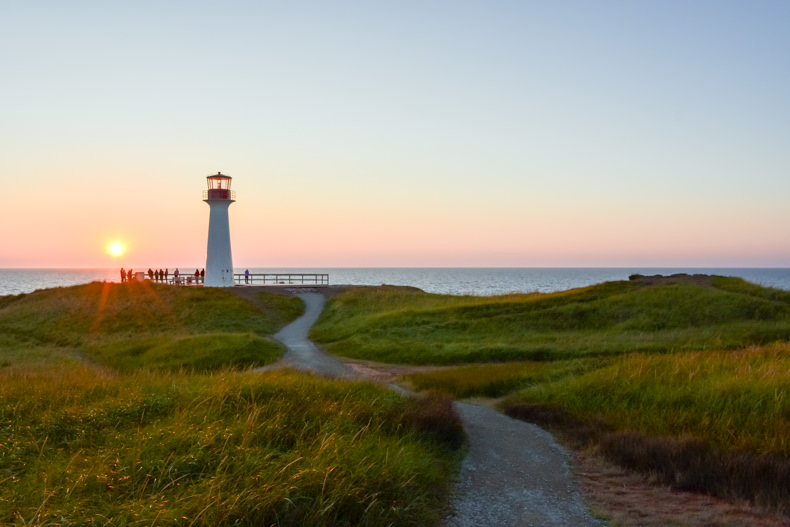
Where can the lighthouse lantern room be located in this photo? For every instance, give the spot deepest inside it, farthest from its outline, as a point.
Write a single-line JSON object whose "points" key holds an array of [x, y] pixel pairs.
{"points": [[219, 261]]}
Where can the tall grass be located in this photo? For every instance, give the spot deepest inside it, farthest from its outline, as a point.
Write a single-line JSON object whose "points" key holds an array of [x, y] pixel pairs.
{"points": [[83, 447], [717, 422], [673, 377], [736, 400], [684, 378], [136, 325], [496, 380], [110, 415], [406, 326]]}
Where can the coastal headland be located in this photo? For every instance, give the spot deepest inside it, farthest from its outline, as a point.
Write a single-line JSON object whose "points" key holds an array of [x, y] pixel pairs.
{"points": [[129, 403]]}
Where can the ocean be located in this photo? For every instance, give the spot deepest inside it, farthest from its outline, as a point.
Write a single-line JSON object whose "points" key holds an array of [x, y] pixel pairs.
{"points": [[453, 281]]}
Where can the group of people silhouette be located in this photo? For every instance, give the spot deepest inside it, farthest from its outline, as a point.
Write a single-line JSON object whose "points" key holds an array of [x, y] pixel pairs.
{"points": [[163, 275], [158, 276], [198, 276]]}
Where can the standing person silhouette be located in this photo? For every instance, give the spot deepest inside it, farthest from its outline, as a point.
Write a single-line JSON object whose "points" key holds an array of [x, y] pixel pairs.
{"points": [[123, 275], [246, 276]]}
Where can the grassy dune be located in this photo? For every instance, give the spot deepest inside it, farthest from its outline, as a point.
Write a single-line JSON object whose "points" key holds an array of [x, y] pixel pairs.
{"points": [[139, 324], [128, 404], [711, 421], [133, 404], [737, 400], [403, 325], [685, 379], [84, 448]]}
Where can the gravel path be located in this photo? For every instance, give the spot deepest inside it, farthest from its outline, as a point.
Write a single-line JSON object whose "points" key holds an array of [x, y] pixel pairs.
{"points": [[515, 474], [302, 354]]}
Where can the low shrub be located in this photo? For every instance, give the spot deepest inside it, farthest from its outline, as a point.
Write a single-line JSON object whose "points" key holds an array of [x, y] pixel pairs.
{"points": [[433, 415], [691, 464], [577, 432]]}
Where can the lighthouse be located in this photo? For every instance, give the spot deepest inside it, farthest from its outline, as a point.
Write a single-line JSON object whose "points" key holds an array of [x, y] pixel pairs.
{"points": [[219, 262]]}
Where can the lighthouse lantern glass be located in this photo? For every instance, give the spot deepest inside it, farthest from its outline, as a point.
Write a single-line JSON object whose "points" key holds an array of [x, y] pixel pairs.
{"points": [[218, 181]]}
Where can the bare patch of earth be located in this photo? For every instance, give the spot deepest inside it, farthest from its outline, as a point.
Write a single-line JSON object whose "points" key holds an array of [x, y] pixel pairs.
{"points": [[626, 499], [387, 373]]}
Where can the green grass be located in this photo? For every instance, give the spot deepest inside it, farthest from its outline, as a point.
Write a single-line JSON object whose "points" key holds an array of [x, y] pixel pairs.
{"points": [[142, 325], [135, 404], [716, 422], [198, 352], [404, 325], [496, 380], [684, 378], [82, 447], [733, 400], [710, 421]]}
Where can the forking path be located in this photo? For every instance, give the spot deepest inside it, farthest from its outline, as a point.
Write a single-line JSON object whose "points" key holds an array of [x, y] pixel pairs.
{"points": [[514, 474]]}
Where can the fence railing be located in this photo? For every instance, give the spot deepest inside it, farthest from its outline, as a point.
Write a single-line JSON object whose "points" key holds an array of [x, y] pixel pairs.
{"points": [[185, 279], [298, 279], [292, 279]]}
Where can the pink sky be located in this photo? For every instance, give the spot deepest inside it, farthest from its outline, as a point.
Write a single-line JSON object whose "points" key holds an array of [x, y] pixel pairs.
{"points": [[167, 226], [515, 134]]}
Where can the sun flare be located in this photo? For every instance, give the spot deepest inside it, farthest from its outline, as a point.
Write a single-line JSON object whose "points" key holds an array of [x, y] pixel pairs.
{"points": [[115, 249]]}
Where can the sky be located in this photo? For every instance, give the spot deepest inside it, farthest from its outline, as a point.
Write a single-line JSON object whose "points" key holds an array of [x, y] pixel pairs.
{"points": [[426, 133]]}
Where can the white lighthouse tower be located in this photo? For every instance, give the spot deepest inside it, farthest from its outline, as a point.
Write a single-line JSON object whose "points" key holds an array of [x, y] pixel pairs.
{"points": [[219, 262]]}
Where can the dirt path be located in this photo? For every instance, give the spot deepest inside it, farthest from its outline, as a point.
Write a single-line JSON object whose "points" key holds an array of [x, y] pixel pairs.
{"points": [[514, 474], [302, 354]]}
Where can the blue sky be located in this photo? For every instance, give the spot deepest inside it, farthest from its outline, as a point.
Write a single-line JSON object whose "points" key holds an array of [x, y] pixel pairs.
{"points": [[398, 134]]}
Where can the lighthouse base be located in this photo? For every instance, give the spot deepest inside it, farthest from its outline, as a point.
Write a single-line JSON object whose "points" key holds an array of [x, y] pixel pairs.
{"points": [[221, 278]]}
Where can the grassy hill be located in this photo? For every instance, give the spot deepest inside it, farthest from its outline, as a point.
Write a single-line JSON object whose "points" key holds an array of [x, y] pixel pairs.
{"points": [[134, 404], [684, 378], [83, 448], [405, 325], [141, 325]]}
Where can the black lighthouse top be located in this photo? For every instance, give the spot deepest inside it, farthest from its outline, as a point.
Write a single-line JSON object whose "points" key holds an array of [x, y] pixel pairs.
{"points": [[219, 187]]}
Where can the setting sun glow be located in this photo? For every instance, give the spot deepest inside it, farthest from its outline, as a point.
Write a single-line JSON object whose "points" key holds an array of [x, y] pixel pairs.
{"points": [[115, 249]]}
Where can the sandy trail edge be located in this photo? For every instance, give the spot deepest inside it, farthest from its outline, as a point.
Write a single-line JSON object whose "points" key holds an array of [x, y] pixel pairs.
{"points": [[515, 474]]}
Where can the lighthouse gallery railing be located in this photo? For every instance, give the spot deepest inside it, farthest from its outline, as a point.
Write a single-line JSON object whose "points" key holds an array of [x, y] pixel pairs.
{"points": [[219, 193]]}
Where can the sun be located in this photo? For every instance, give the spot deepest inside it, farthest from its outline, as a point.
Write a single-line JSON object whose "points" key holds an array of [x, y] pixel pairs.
{"points": [[115, 249]]}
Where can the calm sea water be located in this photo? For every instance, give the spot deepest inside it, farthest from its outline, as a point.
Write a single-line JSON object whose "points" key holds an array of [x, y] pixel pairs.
{"points": [[454, 281]]}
